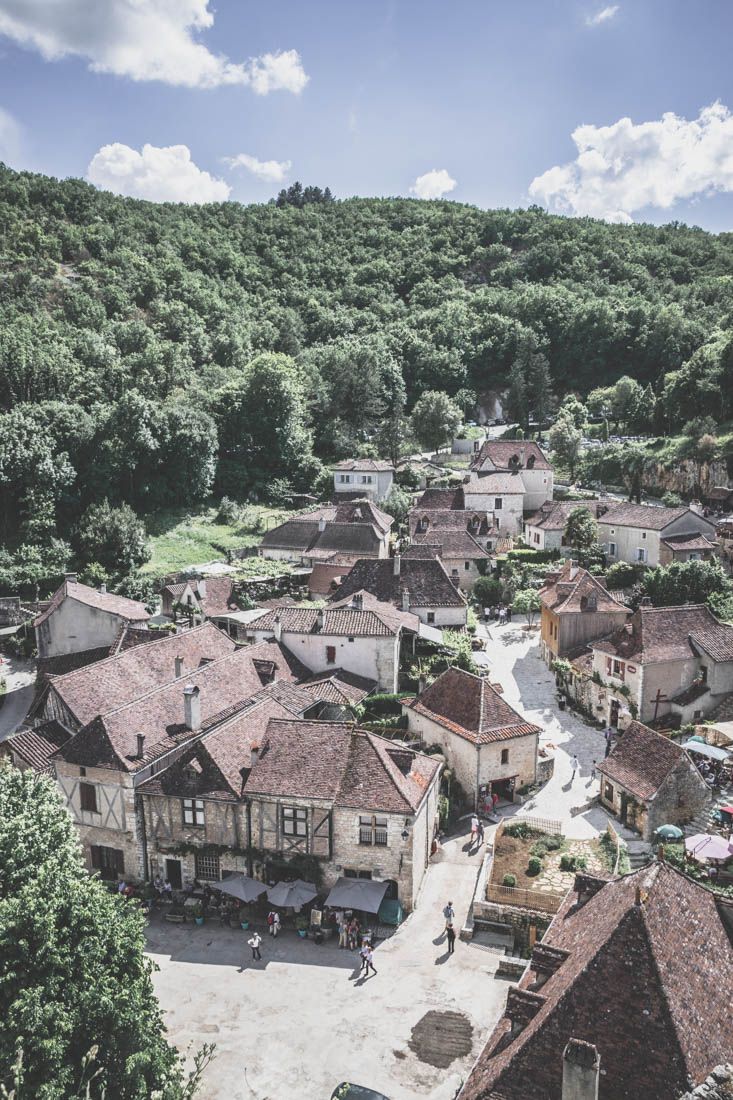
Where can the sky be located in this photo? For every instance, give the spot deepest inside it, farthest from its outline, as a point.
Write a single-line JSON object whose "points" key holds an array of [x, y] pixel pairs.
{"points": [[621, 111]]}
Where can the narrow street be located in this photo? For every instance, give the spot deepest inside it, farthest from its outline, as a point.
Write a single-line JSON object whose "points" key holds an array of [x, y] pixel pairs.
{"points": [[19, 676]]}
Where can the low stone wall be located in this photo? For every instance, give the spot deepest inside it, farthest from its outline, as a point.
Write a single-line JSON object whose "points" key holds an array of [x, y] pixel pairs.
{"points": [[519, 920]]}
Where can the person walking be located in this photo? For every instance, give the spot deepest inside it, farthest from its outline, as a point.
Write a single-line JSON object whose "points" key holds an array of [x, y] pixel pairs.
{"points": [[368, 960], [574, 765], [343, 931], [254, 942], [593, 772], [451, 939], [480, 832], [271, 922], [449, 913], [275, 924], [363, 956], [474, 828]]}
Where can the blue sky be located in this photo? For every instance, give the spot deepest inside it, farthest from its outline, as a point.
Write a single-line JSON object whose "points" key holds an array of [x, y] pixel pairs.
{"points": [[498, 104]]}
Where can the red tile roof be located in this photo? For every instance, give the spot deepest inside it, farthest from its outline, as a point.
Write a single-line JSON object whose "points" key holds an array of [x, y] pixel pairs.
{"points": [[647, 980], [641, 761], [338, 686], [471, 707], [576, 590], [92, 597], [366, 622], [695, 541], [457, 543], [670, 634], [426, 580], [441, 499], [645, 516], [554, 514], [369, 465], [36, 746], [505, 452], [500, 482]]}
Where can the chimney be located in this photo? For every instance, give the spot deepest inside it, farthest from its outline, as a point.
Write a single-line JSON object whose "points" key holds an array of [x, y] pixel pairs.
{"points": [[140, 746], [70, 578], [192, 707], [357, 601], [396, 565], [322, 524], [103, 589], [278, 627], [521, 1007], [405, 599], [178, 667], [319, 619], [581, 1067], [201, 588], [254, 755]]}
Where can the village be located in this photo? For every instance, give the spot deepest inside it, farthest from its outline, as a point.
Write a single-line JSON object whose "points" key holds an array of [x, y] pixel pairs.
{"points": [[469, 738]]}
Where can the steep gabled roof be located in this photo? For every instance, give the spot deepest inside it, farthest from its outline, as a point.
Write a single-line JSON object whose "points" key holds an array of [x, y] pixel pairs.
{"points": [[471, 707], [554, 514], [500, 482], [575, 590], [373, 619], [338, 686], [455, 543], [646, 516], [36, 746], [646, 978], [131, 610], [365, 465], [641, 761], [358, 510], [505, 453], [670, 634], [441, 499], [427, 581]]}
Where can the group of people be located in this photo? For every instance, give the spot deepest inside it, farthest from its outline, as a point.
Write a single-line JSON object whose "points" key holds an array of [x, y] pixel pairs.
{"points": [[477, 830], [712, 772], [501, 613], [162, 886], [449, 914], [349, 930]]}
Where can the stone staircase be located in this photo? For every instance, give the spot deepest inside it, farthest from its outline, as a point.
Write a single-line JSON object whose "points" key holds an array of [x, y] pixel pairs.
{"points": [[639, 853], [703, 821]]}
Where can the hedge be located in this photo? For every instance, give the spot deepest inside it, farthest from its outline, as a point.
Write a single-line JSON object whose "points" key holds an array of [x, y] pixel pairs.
{"points": [[537, 556]]}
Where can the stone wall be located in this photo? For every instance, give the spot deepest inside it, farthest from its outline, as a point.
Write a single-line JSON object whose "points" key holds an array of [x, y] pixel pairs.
{"points": [[525, 923]]}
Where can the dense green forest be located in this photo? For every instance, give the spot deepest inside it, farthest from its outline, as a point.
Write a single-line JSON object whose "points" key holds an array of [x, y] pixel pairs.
{"points": [[153, 354]]}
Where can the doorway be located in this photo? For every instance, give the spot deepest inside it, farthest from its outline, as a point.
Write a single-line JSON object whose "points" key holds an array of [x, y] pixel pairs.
{"points": [[173, 873], [613, 714]]}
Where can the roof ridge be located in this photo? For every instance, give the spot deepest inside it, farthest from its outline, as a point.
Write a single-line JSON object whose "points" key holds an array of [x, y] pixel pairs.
{"points": [[122, 653], [391, 768]]}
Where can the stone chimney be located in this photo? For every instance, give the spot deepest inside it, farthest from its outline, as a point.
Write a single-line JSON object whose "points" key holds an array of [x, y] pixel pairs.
{"points": [[178, 667], [405, 599], [581, 1067], [201, 588], [140, 746], [70, 578], [254, 755], [396, 565], [357, 601], [192, 707], [278, 627], [322, 524], [319, 619], [103, 589]]}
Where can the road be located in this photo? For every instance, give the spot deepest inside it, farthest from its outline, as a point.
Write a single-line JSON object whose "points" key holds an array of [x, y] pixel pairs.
{"points": [[20, 678]]}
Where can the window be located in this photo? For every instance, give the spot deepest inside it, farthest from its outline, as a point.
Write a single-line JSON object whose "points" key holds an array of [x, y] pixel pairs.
{"points": [[373, 830], [612, 549], [88, 795], [82, 771], [643, 534], [351, 872], [295, 821], [345, 479], [618, 669], [207, 866], [366, 479], [608, 792], [704, 673], [467, 565], [431, 616], [193, 812], [497, 504], [110, 862], [330, 654], [641, 553], [531, 461], [505, 756]]}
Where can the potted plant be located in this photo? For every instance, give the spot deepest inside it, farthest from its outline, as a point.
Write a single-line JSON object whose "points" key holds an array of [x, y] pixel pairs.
{"points": [[301, 924], [243, 921], [198, 913]]}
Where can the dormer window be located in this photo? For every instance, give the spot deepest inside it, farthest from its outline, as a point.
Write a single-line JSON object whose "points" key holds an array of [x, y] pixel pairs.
{"points": [[531, 461]]}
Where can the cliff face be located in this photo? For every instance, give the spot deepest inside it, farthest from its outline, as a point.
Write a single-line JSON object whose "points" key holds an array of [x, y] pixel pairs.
{"points": [[687, 477]]}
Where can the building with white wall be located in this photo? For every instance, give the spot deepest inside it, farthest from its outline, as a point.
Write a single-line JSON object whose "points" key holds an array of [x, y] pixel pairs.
{"points": [[420, 586], [80, 618], [368, 477]]}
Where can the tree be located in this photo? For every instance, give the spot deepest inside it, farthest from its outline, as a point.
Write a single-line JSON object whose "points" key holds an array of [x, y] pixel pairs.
{"points": [[565, 440], [76, 978], [517, 399], [435, 419], [487, 591], [682, 582], [539, 382], [574, 408], [397, 504], [581, 530], [526, 602], [112, 537]]}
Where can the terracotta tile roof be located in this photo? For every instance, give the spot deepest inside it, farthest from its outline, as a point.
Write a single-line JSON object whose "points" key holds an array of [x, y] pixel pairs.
{"points": [[367, 622], [358, 511], [647, 980], [499, 482], [427, 581], [291, 535], [130, 636], [92, 597], [670, 634], [642, 760], [475, 522], [220, 597], [453, 544], [338, 686], [368, 465], [36, 746], [645, 516], [441, 499], [575, 590], [111, 683], [384, 777], [69, 662], [694, 541], [471, 707], [554, 514], [502, 452], [226, 685], [363, 539]]}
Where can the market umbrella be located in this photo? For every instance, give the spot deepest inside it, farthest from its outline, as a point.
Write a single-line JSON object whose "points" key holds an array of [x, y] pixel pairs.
{"points": [[242, 887], [709, 846], [291, 894], [669, 832]]}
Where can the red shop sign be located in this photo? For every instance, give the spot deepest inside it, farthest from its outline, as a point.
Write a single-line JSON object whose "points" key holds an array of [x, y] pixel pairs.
{"points": [[631, 668]]}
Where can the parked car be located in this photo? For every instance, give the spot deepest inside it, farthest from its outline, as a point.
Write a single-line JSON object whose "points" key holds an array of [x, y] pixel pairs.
{"points": [[347, 1091]]}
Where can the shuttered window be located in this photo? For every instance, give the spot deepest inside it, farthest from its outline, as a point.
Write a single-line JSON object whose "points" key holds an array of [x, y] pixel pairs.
{"points": [[88, 798]]}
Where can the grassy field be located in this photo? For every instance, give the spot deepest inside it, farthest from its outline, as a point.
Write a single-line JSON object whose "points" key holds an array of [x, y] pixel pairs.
{"points": [[179, 538]]}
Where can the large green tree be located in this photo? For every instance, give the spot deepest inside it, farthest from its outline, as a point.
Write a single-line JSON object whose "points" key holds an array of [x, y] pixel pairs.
{"points": [[74, 977], [435, 419]]}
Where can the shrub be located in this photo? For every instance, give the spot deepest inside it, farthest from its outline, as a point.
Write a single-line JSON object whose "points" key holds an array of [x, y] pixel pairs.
{"points": [[228, 511], [520, 829], [539, 849], [537, 556], [509, 880], [567, 863], [534, 866], [554, 842]]}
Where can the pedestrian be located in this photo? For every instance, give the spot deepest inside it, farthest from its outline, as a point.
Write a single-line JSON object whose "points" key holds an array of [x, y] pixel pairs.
{"points": [[369, 960], [480, 832], [254, 943], [474, 827], [275, 924], [593, 771], [449, 913], [363, 956], [271, 922], [494, 801], [451, 939], [343, 931], [574, 765]]}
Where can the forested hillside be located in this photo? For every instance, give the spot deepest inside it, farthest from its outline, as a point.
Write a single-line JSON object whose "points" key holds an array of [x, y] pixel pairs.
{"points": [[153, 353]]}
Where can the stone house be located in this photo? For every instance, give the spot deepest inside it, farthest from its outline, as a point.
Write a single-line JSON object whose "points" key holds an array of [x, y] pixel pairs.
{"points": [[649, 780], [545, 528], [346, 530], [369, 477], [577, 608], [432, 525], [643, 533], [264, 787], [33, 748], [620, 999], [489, 746], [420, 586], [674, 663], [80, 618], [523, 457], [500, 494], [211, 598], [362, 637], [462, 555]]}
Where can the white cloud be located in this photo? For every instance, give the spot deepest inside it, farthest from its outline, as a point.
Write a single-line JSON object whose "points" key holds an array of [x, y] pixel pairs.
{"points": [[269, 171], [602, 16], [143, 40], [9, 137], [433, 184], [161, 175], [625, 167]]}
